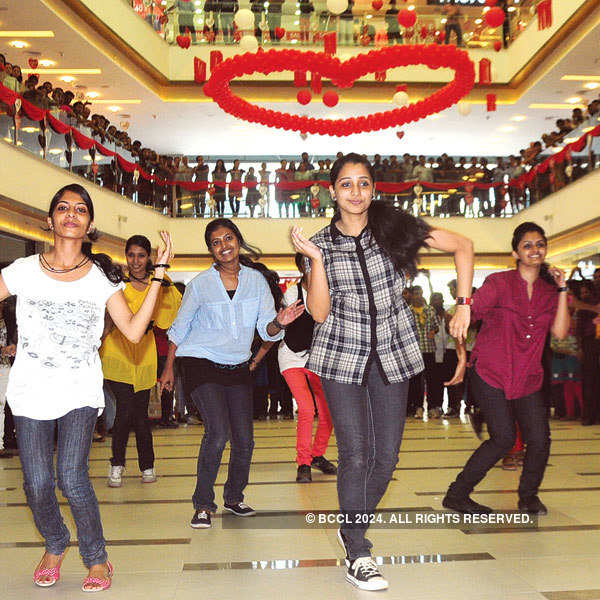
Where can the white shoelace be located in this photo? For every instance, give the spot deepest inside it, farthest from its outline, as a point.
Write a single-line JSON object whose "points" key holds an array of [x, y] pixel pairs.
{"points": [[367, 565]]}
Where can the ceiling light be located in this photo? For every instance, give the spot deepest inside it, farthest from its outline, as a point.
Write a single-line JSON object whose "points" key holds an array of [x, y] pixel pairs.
{"points": [[29, 129], [55, 151], [580, 78], [27, 34], [444, 21], [18, 44], [67, 78], [93, 94], [592, 85], [114, 108], [512, 8], [574, 100], [369, 16], [551, 105], [585, 130], [518, 118], [120, 101], [570, 140], [46, 62], [64, 71], [506, 128], [411, 7], [478, 21]]}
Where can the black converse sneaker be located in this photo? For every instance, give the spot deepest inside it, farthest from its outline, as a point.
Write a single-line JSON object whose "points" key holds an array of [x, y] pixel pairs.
{"points": [[364, 574], [201, 519], [241, 509]]}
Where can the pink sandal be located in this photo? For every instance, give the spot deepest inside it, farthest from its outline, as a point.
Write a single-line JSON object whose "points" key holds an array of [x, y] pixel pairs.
{"points": [[54, 573], [103, 582]]}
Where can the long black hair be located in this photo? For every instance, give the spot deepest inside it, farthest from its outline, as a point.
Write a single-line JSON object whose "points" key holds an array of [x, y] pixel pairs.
{"points": [[102, 261], [249, 258], [518, 235], [398, 233]]}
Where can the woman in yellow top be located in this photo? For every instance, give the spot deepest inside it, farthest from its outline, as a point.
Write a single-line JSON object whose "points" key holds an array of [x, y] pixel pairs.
{"points": [[130, 369]]}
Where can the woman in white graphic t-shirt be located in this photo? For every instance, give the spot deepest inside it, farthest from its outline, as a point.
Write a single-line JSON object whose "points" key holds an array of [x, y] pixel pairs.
{"points": [[55, 383]]}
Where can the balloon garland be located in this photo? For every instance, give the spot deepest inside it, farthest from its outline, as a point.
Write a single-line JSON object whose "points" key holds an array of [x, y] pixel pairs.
{"points": [[342, 74]]}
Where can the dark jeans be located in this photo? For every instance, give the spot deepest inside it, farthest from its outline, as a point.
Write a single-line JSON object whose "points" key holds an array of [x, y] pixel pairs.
{"points": [[132, 409], [416, 392], [234, 204], [590, 368], [200, 204], [36, 451], [368, 422], [457, 29], [227, 415], [500, 414]]}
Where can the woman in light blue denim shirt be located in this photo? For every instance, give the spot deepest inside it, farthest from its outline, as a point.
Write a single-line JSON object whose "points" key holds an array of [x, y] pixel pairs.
{"points": [[212, 335]]}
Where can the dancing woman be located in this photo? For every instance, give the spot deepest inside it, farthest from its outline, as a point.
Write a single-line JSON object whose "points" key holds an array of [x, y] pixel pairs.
{"points": [[365, 347], [55, 384], [130, 370], [213, 333], [517, 309]]}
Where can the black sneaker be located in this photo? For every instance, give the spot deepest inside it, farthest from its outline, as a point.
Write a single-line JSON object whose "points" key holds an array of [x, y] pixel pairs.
{"points": [[303, 475], [465, 505], [364, 574], [201, 519], [532, 505], [321, 463], [240, 509], [342, 540]]}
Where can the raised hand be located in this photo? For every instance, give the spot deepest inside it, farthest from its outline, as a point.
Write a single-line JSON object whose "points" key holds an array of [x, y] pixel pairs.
{"points": [[559, 276], [289, 314], [165, 254], [304, 245]]}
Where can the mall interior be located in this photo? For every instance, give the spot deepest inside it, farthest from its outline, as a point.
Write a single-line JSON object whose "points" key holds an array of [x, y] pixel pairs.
{"points": [[478, 115]]}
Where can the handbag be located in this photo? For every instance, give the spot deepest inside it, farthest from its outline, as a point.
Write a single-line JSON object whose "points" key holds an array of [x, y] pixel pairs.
{"points": [[298, 335]]}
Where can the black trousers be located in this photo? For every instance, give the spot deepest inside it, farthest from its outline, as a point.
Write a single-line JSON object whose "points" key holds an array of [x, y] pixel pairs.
{"points": [[132, 410], [591, 378], [500, 414], [166, 398], [416, 387]]}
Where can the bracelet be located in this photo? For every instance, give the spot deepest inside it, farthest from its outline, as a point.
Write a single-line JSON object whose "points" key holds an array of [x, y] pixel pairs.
{"points": [[157, 279], [564, 288], [163, 265], [278, 324], [464, 300]]}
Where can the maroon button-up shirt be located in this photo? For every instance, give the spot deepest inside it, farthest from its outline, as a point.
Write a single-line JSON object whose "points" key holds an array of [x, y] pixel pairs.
{"points": [[509, 346]]}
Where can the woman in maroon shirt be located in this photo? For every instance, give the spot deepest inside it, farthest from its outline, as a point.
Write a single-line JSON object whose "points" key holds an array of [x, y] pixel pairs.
{"points": [[517, 309]]}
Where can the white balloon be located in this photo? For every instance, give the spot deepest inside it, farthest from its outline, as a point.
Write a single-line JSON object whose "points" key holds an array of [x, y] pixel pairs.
{"points": [[249, 43], [244, 19], [464, 109], [337, 7], [400, 99]]}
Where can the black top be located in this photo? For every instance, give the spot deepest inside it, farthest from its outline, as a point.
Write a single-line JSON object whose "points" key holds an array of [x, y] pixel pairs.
{"points": [[197, 371], [231, 293]]}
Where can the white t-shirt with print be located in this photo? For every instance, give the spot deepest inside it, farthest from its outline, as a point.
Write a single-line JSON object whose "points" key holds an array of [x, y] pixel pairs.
{"points": [[57, 368]]}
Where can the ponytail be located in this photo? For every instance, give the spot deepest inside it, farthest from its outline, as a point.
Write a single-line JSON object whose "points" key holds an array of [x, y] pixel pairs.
{"points": [[112, 272]]}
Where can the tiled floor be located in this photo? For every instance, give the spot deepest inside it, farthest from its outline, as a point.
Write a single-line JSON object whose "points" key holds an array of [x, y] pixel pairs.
{"points": [[276, 555]]}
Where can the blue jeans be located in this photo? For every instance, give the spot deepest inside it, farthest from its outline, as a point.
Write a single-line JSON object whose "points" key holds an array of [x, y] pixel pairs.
{"points": [[368, 422], [227, 415], [36, 449], [500, 415]]}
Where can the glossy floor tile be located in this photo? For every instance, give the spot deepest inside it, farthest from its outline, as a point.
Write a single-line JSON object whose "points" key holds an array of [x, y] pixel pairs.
{"points": [[276, 555]]}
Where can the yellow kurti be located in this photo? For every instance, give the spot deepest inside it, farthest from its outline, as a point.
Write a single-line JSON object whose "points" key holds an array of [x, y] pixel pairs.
{"points": [[136, 364]]}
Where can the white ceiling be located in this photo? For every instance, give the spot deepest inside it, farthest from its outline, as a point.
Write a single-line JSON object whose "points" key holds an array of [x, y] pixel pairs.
{"points": [[202, 128]]}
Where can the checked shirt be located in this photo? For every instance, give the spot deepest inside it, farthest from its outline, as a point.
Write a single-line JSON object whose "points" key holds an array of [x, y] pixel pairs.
{"points": [[369, 320]]}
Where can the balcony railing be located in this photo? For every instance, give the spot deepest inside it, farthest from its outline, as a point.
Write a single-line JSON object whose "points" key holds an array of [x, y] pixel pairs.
{"points": [[434, 189]]}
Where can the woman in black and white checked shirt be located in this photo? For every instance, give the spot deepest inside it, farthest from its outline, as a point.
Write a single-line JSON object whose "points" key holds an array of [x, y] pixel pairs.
{"points": [[365, 346]]}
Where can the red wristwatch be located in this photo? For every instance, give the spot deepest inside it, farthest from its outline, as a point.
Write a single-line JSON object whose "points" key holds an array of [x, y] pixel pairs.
{"points": [[462, 300]]}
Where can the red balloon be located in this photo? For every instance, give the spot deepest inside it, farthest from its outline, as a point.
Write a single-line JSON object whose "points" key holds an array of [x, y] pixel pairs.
{"points": [[491, 2], [494, 17], [497, 45], [407, 18], [400, 134], [304, 97], [377, 4], [33, 63], [183, 41], [330, 99], [442, 36], [365, 40], [279, 32]]}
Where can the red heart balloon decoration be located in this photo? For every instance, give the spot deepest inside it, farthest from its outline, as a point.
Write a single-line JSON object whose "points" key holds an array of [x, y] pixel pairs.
{"points": [[183, 41], [497, 45], [33, 63], [407, 18], [377, 4], [342, 74], [279, 32], [400, 134]]}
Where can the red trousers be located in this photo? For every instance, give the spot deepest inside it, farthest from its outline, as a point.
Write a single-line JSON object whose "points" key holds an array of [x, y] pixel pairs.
{"points": [[300, 382]]}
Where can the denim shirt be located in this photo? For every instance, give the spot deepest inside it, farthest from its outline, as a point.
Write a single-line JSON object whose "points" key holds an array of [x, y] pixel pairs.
{"points": [[211, 325]]}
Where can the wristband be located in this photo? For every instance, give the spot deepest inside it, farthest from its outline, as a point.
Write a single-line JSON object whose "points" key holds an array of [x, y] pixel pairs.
{"points": [[157, 279], [564, 288], [163, 265], [278, 324], [462, 300]]}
